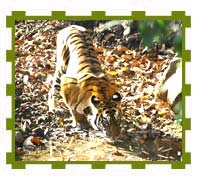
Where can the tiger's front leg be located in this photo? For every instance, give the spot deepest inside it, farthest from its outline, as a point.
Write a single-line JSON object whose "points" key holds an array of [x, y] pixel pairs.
{"points": [[80, 120], [69, 91]]}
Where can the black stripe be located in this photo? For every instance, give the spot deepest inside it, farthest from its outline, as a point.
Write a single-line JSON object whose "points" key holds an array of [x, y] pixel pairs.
{"points": [[76, 42], [82, 68], [66, 53], [91, 61], [79, 48], [63, 69], [94, 78], [85, 54], [74, 34], [72, 78], [72, 83], [90, 48], [84, 77], [85, 41], [57, 86], [67, 61], [88, 41], [95, 70], [59, 73], [96, 122], [92, 70], [58, 80]]}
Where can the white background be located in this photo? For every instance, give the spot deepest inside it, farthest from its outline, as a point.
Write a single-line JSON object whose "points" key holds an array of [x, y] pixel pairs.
{"points": [[124, 7]]}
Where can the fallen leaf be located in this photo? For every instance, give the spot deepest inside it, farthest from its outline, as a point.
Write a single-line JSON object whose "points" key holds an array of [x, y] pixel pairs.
{"points": [[117, 153], [122, 48], [135, 64], [113, 73], [127, 57], [36, 140], [19, 42], [110, 59], [124, 69]]}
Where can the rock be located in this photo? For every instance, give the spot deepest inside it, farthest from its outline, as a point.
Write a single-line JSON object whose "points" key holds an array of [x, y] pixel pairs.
{"points": [[19, 138], [28, 144]]}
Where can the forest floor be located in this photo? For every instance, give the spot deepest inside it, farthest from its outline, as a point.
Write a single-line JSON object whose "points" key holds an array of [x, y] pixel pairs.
{"points": [[149, 128]]}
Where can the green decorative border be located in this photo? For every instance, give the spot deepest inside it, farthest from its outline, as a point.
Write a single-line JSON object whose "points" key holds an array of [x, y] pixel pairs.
{"points": [[98, 15]]}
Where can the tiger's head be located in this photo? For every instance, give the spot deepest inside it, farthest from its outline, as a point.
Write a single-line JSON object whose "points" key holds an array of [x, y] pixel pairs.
{"points": [[98, 99], [105, 109]]}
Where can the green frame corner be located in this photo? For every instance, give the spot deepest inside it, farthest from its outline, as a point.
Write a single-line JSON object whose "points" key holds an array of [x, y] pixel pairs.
{"points": [[98, 15]]}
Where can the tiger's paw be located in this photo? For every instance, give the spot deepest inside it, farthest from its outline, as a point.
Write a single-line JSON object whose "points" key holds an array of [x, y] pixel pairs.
{"points": [[81, 126]]}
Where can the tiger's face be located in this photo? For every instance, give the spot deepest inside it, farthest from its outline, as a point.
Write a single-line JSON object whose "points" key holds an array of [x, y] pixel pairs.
{"points": [[105, 113]]}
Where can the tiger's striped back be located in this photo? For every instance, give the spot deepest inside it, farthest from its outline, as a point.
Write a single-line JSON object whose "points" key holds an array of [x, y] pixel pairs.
{"points": [[77, 45], [86, 90]]}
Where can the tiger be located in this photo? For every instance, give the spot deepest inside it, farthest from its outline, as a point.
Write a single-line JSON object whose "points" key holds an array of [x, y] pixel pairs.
{"points": [[92, 98]]}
